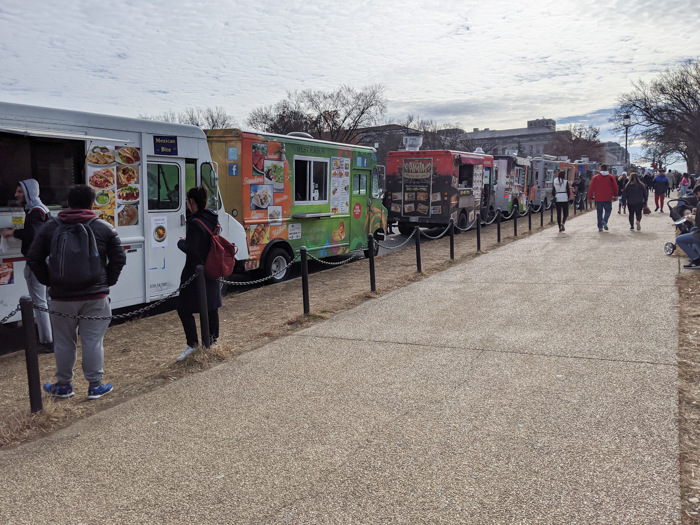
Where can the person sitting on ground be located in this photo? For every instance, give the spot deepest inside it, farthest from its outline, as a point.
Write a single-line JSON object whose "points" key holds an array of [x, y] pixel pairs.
{"points": [[79, 279]]}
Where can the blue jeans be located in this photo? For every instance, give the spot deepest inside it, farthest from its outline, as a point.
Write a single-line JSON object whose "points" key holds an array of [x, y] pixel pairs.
{"points": [[600, 207], [690, 244]]}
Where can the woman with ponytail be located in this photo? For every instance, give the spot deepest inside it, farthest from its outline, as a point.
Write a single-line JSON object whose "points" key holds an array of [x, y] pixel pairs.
{"points": [[196, 246], [560, 188]]}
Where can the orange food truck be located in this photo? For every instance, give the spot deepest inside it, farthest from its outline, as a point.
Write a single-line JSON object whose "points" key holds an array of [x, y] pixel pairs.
{"points": [[289, 191], [427, 188]]}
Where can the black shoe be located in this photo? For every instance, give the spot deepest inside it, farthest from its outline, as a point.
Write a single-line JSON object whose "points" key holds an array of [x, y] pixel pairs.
{"points": [[694, 265], [45, 348]]}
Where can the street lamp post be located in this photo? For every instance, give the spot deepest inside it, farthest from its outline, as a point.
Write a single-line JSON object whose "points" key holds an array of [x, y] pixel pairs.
{"points": [[627, 123]]}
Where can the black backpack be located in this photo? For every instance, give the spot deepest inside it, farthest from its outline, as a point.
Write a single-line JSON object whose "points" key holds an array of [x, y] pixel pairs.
{"points": [[74, 260]]}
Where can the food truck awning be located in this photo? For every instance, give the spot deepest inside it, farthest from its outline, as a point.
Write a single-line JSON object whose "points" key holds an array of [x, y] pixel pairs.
{"points": [[59, 135], [470, 160]]}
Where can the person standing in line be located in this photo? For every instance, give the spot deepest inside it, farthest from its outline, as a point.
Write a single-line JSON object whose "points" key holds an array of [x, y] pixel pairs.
{"points": [[621, 183], [660, 188], [36, 214], [684, 185], [635, 195], [603, 189], [85, 260], [560, 187], [648, 180], [201, 223]]}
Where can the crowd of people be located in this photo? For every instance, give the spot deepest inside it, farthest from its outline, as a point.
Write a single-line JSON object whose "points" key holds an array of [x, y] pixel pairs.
{"points": [[74, 259]]}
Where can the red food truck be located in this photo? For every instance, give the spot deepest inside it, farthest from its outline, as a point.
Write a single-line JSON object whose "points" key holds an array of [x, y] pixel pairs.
{"points": [[426, 188]]}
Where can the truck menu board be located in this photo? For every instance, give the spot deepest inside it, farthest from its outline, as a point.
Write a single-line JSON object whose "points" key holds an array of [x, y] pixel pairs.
{"points": [[417, 187], [114, 175]]}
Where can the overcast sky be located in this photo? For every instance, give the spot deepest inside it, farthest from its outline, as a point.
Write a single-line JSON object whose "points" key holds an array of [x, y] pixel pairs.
{"points": [[487, 63]]}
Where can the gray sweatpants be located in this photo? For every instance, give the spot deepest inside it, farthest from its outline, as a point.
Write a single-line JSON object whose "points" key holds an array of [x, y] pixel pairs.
{"points": [[65, 333], [37, 292]]}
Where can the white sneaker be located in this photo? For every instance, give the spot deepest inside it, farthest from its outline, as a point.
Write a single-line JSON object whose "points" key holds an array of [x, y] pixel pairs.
{"points": [[639, 226], [184, 354]]}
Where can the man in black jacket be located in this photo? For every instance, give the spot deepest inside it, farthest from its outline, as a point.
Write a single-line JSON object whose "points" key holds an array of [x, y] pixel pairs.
{"points": [[36, 214], [92, 300]]}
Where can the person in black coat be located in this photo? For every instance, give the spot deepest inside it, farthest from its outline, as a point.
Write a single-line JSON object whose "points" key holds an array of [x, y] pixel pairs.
{"points": [[196, 246], [635, 196]]}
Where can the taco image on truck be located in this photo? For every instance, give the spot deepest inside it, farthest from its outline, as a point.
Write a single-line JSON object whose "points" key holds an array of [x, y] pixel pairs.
{"points": [[289, 191]]}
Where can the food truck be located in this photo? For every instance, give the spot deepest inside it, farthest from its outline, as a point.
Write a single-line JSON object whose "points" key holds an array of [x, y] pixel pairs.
{"points": [[427, 188], [542, 173], [510, 173], [289, 191], [140, 171]]}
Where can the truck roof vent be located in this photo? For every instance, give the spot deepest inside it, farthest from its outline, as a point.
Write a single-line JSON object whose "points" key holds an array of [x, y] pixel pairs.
{"points": [[412, 141], [479, 151], [299, 134]]}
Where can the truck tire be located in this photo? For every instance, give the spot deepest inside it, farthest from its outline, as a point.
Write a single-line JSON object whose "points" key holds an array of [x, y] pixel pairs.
{"points": [[277, 259], [405, 229], [461, 223]]}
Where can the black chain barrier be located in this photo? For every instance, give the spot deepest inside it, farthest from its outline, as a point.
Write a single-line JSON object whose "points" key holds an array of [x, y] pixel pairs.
{"points": [[8, 316], [262, 280]]}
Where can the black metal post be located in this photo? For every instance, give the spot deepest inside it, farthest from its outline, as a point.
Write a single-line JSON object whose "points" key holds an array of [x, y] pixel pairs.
{"points": [[516, 210], [478, 232], [203, 309], [551, 213], [529, 218], [370, 247], [305, 279], [541, 215], [31, 354], [574, 207], [417, 235], [498, 224], [452, 238]]}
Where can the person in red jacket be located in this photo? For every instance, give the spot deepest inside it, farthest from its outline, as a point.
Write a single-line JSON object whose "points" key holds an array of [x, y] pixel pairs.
{"points": [[603, 189]]}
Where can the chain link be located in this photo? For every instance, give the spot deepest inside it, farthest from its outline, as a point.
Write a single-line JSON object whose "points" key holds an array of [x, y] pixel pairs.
{"points": [[8, 316], [400, 245], [355, 255], [469, 226], [435, 238], [119, 316], [263, 279], [495, 216]]}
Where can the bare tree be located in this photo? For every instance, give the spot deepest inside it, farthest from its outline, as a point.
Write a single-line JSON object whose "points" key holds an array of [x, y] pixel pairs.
{"points": [[334, 115], [665, 112], [205, 118], [576, 142]]}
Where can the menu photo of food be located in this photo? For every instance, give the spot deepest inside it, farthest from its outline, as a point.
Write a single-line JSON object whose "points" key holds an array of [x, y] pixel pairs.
{"points": [[274, 214], [409, 208], [128, 195], [101, 178], [260, 196], [259, 156], [436, 210], [7, 273], [127, 215], [409, 196], [274, 174], [259, 234], [396, 196], [127, 175], [422, 208], [128, 155], [100, 156], [396, 207], [422, 196], [435, 197]]}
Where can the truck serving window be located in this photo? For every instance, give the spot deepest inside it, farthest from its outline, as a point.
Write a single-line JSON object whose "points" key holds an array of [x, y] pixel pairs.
{"points": [[359, 184], [466, 175], [163, 186], [310, 180], [56, 164]]}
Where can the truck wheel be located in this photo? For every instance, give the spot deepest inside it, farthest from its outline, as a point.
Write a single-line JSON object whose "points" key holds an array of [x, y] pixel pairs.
{"points": [[461, 223], [491, 214], [405, 229], [277, 259]]}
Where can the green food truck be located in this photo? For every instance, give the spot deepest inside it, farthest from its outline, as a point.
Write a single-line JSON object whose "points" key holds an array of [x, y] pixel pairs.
{"points": [[290, 191]]}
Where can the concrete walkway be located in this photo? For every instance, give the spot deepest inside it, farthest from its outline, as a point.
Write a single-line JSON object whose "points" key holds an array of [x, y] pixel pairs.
{"points": [[535, 384]]}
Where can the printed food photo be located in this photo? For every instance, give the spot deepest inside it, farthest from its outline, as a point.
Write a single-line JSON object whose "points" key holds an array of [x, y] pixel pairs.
{"points": [[102, 178], [100, 156], [128, 194], [128, 155]]}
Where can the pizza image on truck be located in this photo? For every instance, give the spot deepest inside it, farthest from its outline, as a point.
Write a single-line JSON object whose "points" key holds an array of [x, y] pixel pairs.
{"points": [[289, 191]]}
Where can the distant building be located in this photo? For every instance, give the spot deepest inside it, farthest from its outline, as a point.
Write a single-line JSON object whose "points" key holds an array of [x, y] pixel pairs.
{"points": [[529, 141], [614, 153]]}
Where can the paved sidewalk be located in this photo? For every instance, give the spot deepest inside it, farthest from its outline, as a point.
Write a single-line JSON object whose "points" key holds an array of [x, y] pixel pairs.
{"points": [[534, 384]]}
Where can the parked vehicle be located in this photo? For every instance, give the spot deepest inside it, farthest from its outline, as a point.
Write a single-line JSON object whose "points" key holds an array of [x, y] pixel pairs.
{"points": [[511, 183], [427, 188], [289, 191], [140, 170], [542, 175]]}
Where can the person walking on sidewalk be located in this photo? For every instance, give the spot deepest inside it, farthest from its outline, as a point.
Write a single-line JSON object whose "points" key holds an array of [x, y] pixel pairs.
{"points": [[85, 259], [621, 183], [660, 189], [603, 189], [196, 246], [685, 184], [561, 198], [36, 214], [635, 196]]}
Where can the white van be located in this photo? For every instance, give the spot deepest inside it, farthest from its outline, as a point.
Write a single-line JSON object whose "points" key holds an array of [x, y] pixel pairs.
{"points": [[140, 170]]}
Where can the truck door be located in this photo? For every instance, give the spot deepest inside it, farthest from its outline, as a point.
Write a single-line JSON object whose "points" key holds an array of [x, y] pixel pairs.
{"points": [[360, 207], [165, 223]]}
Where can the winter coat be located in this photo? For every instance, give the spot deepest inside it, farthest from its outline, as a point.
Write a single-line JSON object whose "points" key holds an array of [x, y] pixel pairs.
{"points": [[36, 214], [560, 189], [603, 187], [621, 183], [196, 246], [635, 194], [108, 246], [661, 185]]}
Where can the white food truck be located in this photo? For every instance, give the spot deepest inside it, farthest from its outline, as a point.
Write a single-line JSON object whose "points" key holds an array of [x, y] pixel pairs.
{"points": [[140, 171]]}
